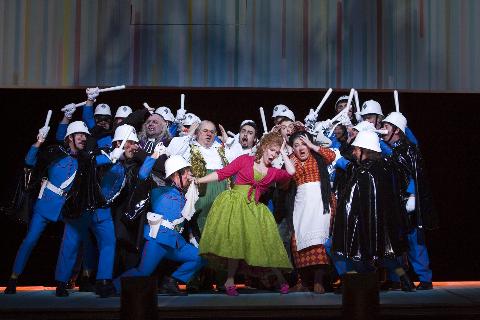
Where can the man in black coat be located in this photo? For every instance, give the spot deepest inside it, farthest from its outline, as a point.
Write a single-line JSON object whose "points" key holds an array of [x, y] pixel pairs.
{"points": [[415, 193]]}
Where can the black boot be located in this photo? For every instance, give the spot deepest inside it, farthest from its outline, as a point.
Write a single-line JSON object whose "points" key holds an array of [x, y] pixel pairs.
{"points": [[425, 286], [85, 285], [11, 286], [406, 283], [390, 285], [71, 284], [105, 288], [169, 287], [61, 289]]}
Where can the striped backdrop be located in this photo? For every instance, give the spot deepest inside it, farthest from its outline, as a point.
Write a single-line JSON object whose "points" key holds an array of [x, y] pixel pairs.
{"points": [[375, 44]]}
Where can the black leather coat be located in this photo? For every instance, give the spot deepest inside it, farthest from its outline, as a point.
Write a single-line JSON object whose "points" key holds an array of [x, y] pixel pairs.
{"points": [[409, 162], [369, 222]]}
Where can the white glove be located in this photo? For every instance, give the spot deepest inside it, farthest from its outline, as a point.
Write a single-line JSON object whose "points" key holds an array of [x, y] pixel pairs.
{"points": [[194, 242], [68, 110], [345, 120], [323, 125], [116, 154], [322, 140], [42, 134], [311, 118], [180, 115], [410, 205], [160, 149], [92, 93]]}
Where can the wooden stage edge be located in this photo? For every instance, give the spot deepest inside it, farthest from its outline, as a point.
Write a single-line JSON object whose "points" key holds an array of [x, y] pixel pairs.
{"points": [[449, 300]]}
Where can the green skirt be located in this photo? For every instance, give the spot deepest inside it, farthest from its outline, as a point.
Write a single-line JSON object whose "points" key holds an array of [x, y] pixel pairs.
{"points": [[204, 203], [243, 230]]}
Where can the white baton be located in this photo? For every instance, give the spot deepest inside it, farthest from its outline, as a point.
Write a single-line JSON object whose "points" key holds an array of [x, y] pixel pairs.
{"points": [[264, 122]]}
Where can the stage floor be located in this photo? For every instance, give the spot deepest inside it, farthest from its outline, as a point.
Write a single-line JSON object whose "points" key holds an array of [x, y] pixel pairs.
{"points": [[449, 300]]}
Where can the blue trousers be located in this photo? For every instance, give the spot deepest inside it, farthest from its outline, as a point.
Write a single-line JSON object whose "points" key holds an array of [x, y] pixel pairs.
{"points": [[418, 258], [339, 262], [344, 265], [76, 232], [365, 267], [154, 252], [87, 256], [35, 230]]}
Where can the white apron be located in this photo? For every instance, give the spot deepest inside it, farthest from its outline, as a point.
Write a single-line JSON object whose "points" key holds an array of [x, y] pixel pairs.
{"points": [[311, 226]]}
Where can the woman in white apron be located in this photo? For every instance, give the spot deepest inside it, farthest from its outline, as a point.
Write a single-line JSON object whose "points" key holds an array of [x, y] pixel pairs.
{"points": [[309, 210]]}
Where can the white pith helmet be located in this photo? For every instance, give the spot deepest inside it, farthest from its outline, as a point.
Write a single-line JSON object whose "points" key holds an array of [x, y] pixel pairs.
{"points": [[367, 140], [371, 107], [175, 163], [364, 126], [397, 119], [77, 127], [125, 131], [123, 112], [342, 99], [281, 110], [190, 119], [165, 113], [244, 122], [102, 109]]}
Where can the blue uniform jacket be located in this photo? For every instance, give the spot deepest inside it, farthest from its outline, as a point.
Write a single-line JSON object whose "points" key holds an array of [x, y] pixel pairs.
{"points": [[111, 183], [89, 119], [167, 201], [50, 205]]}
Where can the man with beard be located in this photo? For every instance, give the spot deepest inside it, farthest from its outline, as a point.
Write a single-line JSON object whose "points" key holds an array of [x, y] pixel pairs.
{"points": [[58, 167], [243, 142], [416, 196], [154, 131], [99, 220]]}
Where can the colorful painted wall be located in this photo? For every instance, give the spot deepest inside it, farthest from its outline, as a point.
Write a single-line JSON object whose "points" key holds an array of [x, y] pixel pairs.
{"points": [[376, 44]]}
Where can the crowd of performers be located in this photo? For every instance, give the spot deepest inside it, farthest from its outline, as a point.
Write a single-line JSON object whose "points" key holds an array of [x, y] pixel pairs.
{"points": [[147, 193]]}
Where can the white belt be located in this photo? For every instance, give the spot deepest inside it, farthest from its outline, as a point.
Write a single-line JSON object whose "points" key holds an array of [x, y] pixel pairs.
{"points": [[47, 184], [156, 220], [172, 224], [60, 191]]}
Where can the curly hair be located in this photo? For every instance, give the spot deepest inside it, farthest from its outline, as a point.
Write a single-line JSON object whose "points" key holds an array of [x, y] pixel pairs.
{"points": [[271, 138], [164, 135]]}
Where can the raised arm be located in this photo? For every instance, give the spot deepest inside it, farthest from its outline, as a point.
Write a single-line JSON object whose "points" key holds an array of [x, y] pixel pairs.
{"points": [[32, 155]]}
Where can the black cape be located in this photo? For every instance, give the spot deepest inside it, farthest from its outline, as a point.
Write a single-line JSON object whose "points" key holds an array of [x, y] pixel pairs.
{"points": [[409, 162], [369, 222]]}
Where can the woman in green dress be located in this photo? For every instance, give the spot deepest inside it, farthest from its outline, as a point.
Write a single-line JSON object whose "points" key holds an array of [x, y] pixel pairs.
{"points": [[239, 228]]}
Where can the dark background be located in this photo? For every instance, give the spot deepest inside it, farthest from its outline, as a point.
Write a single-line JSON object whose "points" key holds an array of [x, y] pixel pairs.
{"points": [[446, 124]]}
